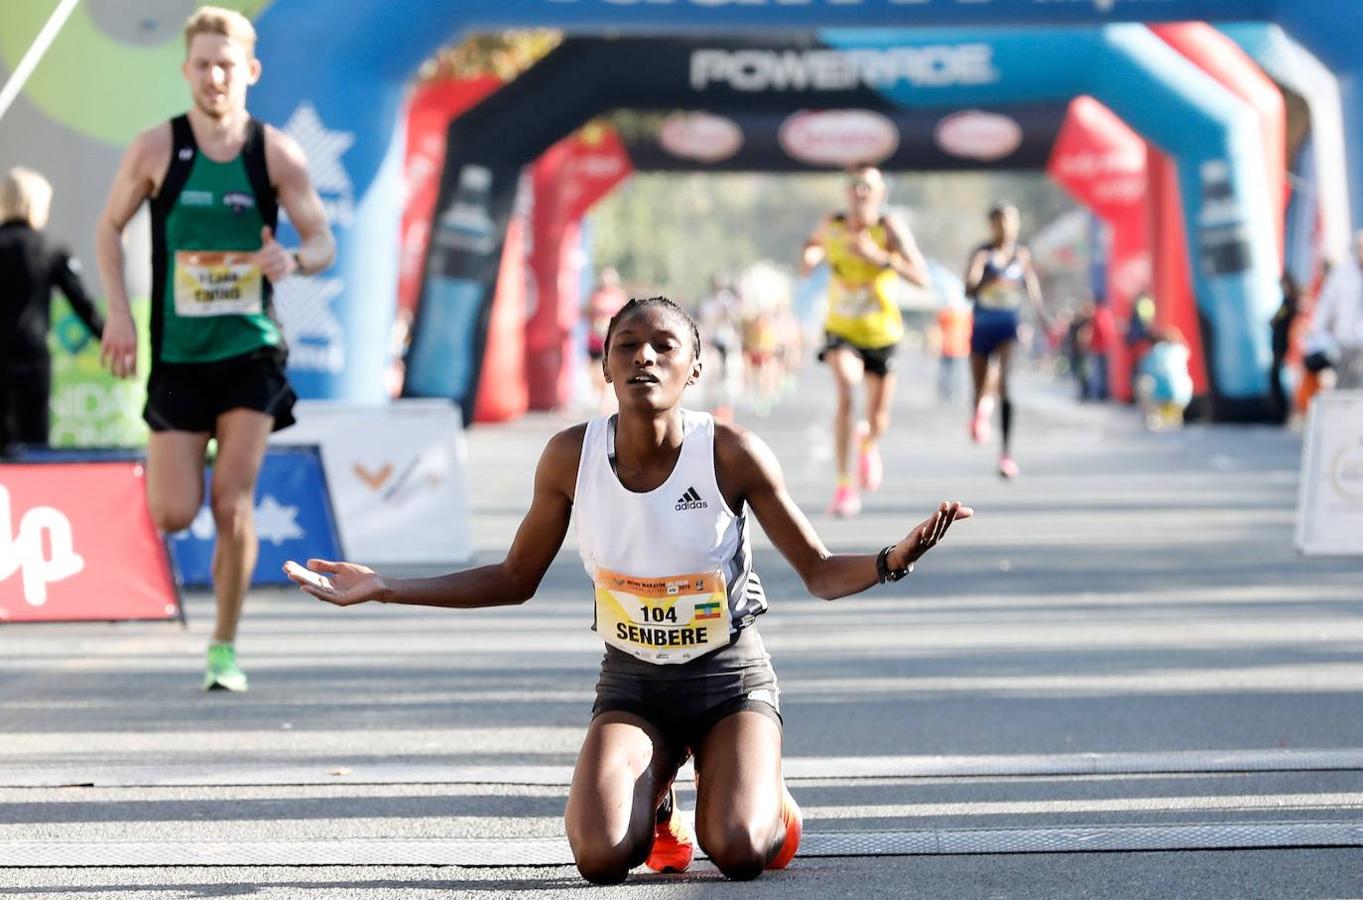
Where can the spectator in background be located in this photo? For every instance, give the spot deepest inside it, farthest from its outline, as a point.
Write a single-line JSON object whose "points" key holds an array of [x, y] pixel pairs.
{"points": [[603, 303], [1338, 328], [953, 329], [1077, 338], [760, 339], [1102, 336], [1164, 387], [1139, 330], [1281, 327], [721, 320], [30, 267]]}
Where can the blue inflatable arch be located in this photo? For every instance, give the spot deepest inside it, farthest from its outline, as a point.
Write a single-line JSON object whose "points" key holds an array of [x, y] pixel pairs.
{"points": [[339, 89], [1211, 134]]}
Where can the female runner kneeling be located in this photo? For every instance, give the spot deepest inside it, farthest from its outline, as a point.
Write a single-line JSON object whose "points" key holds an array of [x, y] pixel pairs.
{"points": [[662, 497]]}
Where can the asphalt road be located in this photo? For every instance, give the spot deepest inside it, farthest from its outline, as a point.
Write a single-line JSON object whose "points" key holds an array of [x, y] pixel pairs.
{"points": [[1121, 651]]}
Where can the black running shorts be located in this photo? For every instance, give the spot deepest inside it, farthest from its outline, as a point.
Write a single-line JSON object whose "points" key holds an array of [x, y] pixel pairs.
{"points": [[685, 701], [191, 396], [875, 360]]}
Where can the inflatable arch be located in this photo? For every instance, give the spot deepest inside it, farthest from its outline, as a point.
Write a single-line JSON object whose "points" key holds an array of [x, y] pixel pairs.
{"points": [[1097, 158], [339, 88], [1091, 153], [1145, 81], [1328, 27]]}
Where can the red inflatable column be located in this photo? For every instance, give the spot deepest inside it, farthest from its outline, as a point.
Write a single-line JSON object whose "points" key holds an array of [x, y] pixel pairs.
{"points": [[568, 180], [1101, 163], [502, 390]]}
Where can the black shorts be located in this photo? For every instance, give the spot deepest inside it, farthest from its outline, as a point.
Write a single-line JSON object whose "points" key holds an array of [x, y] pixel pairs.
{"points": [[685, 701], [875, 360], [191, 396]]}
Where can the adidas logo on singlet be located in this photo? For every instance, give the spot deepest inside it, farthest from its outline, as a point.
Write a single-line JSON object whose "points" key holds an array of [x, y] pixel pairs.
{"points": [[691, 500]]}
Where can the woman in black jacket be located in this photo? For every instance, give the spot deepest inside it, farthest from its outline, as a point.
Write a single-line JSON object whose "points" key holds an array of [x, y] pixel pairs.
{"points": [[30, 267]]}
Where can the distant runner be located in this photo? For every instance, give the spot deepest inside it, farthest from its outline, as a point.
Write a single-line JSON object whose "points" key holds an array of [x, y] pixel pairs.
{"points": [[866, 251]]}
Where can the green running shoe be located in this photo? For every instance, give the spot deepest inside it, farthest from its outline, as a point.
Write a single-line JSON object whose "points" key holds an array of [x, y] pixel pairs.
{"points": [[223, 673]]}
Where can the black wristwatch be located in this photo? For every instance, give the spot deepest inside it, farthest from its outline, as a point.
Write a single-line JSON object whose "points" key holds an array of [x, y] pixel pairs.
{"points": [[883, 571]]}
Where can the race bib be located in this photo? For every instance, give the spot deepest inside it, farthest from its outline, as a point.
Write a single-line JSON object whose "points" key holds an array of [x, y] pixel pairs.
{"points": [[853, 302], [217, 284], [663, 620], [999, 296]]}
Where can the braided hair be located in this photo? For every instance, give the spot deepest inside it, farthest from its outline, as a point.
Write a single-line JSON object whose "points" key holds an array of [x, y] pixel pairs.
{"points": [[639, 303]]}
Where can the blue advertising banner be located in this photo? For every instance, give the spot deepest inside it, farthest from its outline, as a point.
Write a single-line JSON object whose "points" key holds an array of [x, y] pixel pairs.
{"points": [[293, 517]]}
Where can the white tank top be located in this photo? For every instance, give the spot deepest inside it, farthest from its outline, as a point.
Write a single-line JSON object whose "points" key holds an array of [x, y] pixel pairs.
{"points": [[672, 567]]}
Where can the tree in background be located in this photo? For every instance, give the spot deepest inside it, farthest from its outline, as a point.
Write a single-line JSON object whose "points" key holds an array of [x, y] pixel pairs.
{"points": [[505, 54]]}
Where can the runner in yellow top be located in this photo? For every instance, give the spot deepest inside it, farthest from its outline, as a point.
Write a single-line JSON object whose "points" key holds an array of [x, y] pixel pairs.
{"points": [[866, 251]]}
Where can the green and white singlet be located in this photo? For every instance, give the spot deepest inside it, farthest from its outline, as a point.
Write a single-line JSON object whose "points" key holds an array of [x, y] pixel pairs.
{"points": [[210, 301]]}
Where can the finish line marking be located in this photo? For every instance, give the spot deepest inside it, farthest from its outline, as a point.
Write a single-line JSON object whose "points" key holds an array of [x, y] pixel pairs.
{"points": [[1191, 762], [489, 852]]}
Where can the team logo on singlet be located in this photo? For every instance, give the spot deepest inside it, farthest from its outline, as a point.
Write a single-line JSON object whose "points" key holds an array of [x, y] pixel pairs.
{"points": [[691, 500], [238, 201]]}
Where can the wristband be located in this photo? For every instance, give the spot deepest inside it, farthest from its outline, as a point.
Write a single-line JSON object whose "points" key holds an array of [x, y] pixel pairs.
{"points": [[883, 571]]}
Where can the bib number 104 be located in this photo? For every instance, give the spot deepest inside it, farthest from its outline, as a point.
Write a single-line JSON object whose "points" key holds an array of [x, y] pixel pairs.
{"points": [[658, 614]]}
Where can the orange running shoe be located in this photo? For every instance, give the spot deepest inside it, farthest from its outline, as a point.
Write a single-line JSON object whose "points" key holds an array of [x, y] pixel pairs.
{"points": [[794, 822], [673, 841]]}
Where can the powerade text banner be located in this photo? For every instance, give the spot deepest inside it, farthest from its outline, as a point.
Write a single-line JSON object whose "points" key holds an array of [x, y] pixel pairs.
{"points": [[77, 543], [398, 476], [293, 519]]}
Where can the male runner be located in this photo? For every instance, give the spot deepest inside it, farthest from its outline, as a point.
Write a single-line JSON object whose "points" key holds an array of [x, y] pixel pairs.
{"points": [[866, 251], [215, 178]]}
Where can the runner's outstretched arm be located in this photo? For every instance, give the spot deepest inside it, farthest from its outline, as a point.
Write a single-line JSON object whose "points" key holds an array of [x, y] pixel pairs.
{"points": [[748, 464], [509, 582]]}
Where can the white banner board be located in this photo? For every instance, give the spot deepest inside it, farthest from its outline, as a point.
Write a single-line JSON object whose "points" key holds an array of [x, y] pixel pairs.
{"points": [[398, 476], [1330, 502]]}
